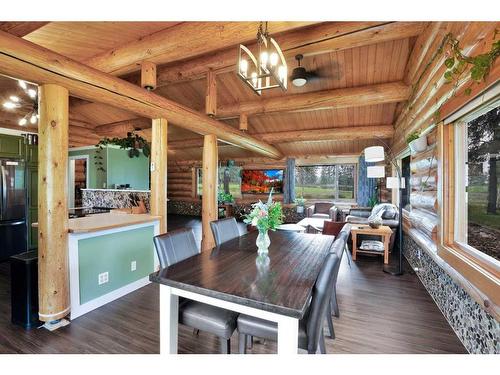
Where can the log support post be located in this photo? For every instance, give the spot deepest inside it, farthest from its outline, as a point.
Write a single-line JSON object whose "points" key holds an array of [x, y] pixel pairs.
{"points": [[243, 122], [209, 190], [159, 171], [53, 277], [211, 97]]}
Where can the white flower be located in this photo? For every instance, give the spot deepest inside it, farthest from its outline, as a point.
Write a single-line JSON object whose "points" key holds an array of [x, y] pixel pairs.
{"points": [[254, 221]]}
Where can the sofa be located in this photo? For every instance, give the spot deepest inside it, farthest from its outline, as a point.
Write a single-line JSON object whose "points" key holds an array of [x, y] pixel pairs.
{"points": [[322, 210], [387, 211]]}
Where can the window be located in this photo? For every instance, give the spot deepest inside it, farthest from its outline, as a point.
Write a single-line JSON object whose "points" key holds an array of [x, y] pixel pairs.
{"points": [[229, 179], [470, 217], [336, 181], [406, 173], [478, 157]]}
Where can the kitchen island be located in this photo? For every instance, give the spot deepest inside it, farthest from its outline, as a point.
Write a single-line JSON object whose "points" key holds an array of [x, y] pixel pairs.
{"points": [[110, 255]]}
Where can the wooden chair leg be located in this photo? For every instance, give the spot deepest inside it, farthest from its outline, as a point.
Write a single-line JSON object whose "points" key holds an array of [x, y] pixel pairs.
{"points": [[225, 346], [196, 331], [242, 343]]}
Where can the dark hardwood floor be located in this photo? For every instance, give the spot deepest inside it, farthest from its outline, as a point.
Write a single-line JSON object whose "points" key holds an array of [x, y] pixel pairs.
{"points": [[379, 313]]}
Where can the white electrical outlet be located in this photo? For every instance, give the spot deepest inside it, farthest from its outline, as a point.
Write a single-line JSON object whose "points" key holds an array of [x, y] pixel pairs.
{"points": [[103, 278], [133, 265]]}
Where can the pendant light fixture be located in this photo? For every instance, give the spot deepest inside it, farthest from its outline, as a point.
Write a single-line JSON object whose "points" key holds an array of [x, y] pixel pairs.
{"points": [[15, 102], [266, 72]]}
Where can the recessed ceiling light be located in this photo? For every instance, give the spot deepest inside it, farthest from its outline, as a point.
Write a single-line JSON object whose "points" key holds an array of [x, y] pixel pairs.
{"points": [[14, 98], [32, 93], [23, 84], [9, 105]]}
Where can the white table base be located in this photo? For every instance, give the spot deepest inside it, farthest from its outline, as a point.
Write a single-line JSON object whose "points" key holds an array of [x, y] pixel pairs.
{"points": [[288, 327]]}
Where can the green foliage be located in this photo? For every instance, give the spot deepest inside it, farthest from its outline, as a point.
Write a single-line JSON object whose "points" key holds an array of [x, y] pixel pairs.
{"points": [[98, 160], [300, 201], [265, 216], [373, 201], [413, 136], [133, 142], [225, 197]]}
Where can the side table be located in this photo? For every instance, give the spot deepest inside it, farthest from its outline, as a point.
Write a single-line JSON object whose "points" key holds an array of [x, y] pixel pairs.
{"points": [[384, 231]]}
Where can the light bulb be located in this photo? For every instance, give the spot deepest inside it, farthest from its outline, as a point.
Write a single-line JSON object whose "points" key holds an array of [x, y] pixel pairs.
{"points": [[32, 93], [243, 67], [274, 58], [14, 98], [23, 121], [264, 57], [282, 73], [9, 105], [254, 79], [23, 84], [33, 119]]}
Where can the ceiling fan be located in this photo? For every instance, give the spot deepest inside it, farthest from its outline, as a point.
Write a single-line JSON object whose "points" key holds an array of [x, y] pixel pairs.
{"points": [[300, 76]]}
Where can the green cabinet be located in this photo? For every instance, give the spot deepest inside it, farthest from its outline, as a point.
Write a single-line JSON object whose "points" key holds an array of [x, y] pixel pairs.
{"points": [[11, 146]]}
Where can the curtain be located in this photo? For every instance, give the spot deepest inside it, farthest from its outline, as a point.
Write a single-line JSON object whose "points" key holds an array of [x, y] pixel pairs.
{"points": [[289, 182], [366, 186]]}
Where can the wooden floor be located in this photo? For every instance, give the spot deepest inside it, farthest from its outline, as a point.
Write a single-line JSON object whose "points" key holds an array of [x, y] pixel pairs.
{"points": [[379, 314]]}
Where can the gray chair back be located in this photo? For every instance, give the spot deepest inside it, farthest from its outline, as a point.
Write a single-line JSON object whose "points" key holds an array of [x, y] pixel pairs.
{"points": [[175, 246], [322, 291], [224, 230]]}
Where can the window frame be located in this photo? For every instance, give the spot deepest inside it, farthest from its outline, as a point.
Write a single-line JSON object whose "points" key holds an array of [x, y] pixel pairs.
{"points": [[478, 268], [336, 198]]}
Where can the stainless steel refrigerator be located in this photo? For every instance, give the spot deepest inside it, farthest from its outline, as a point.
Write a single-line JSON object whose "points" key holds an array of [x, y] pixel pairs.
{"points": [[13, 230]]}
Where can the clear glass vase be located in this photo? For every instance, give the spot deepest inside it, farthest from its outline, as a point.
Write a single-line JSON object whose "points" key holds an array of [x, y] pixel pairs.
{"points": [[263, 242]]}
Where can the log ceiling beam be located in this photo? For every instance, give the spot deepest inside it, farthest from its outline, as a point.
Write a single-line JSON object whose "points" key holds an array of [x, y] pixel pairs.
{"points": [[122, 127], [20, 58], [323, 38], [326, 99], [350, 133], [180, 42]]}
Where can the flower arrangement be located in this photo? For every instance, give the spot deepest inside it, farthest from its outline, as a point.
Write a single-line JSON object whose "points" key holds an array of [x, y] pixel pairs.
{"points": [[265, 216], [300, 201]]}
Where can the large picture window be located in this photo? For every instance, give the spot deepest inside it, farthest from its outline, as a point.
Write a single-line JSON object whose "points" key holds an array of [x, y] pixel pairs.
{"points": [[478, 158], [334, 182]]}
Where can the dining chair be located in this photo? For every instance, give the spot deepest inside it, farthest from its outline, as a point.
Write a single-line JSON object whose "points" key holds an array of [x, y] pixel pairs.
{"points": [[333, 228], [224, 230], [337, 249], [311, 337], [174, 247]]}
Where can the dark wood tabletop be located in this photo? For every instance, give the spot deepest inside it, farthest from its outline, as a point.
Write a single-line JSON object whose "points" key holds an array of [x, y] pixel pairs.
{"points": [[281, 283]]}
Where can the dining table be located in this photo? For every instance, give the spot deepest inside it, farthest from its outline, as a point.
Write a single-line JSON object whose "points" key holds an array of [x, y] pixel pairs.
{"points": [[276, 287]]}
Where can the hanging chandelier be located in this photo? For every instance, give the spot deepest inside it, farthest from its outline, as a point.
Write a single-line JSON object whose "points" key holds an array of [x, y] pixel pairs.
{"points": [[15, 102], [269, 70]]}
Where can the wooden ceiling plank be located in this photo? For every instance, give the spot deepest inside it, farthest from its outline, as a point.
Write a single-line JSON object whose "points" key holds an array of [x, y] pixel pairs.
{"points": [[19, 57], [21, 29], [314, 40]]}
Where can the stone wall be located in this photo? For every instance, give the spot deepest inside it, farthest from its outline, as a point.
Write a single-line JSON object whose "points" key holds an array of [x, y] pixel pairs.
{"points": [[112, 198], [478, 330]]}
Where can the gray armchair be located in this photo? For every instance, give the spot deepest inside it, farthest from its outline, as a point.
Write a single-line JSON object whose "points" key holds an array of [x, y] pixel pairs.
{"points": [[388, 212], [322, 210]]}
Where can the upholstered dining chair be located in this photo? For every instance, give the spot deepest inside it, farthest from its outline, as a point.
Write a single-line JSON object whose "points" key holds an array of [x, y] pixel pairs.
{"points": [[338, 249], [224, 230], [174, 247], [333, 228], [311, 335]]}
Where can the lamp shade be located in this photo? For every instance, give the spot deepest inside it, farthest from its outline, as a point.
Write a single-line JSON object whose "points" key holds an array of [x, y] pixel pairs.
{"points": [[374, 154], [392, 183], [375, 171]]}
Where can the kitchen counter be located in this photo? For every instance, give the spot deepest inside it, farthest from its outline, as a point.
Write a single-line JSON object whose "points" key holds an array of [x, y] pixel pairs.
{"points": [[126, 190], [99, 222]]}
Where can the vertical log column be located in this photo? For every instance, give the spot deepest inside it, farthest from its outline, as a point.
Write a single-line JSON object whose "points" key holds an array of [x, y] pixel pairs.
{"points": [[53, 280], [159, 171], [211, 96], [209, 190]]}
